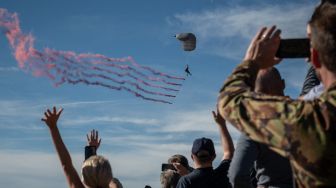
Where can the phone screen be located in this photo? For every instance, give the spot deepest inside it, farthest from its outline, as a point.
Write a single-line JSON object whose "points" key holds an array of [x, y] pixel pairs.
{"points": [[294, 48]]}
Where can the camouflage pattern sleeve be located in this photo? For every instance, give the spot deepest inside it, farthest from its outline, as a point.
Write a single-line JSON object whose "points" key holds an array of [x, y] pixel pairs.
{"points": [[303, 131], [272, 120], [251, 112]]}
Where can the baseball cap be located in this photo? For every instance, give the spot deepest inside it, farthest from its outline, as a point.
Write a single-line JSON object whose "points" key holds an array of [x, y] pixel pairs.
{"points": [[203, 144]]}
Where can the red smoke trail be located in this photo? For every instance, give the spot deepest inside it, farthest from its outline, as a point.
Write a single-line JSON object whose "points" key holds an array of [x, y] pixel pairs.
{"points": [[91, 69]]}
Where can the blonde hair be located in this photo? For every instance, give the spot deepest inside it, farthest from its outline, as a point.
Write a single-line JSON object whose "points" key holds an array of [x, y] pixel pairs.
{"points": [[169, 178], [97, 172]]}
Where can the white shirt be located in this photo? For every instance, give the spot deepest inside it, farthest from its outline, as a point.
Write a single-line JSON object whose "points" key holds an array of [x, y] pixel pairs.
{"points": [[315, 92]]}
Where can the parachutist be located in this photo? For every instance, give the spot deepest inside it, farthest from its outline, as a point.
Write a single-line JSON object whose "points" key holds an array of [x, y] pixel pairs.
{"points": [[187, 71]]}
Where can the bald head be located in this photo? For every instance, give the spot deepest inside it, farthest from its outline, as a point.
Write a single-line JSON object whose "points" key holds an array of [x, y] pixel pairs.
{"points": [[269, 82]]}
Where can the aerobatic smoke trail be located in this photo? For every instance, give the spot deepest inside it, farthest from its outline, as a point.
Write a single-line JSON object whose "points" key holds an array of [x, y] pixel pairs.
{"points": [[90, 69]]}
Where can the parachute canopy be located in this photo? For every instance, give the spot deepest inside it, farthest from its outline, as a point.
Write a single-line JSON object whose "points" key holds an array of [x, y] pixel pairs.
{"points": [[188, 41]]}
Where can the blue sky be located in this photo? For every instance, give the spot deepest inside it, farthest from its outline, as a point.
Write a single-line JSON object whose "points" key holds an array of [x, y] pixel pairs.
{"points": [[137, 135]]}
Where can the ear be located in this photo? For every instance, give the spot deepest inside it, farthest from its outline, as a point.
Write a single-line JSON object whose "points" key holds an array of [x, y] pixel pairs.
{"points": [[213, 157], [315, 58]]}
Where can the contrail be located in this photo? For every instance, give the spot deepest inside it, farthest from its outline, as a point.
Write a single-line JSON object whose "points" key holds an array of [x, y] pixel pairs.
{"points": [[91, 69]]}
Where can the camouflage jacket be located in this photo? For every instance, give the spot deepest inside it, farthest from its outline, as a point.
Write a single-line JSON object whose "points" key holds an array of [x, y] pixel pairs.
{"points": [[303, 131]]}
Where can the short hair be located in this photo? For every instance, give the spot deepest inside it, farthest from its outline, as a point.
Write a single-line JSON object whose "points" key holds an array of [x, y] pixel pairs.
{"points": [[323, 36], [97, 172], [204, 156], [169, 178]]}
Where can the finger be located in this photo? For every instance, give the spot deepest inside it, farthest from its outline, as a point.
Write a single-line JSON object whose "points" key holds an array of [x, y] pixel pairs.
{"points": [[176, 165], [43, 119], [46, 115], [49, 112], [91, 136], [269, 32], [54, 110], [259, 34], [59, 111], [87, 136], [276, 34], [99, 143], [96, 135]]}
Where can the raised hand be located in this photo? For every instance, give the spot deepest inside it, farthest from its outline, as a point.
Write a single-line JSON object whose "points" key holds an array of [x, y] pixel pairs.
{"points": [[225, 137], [218, 118], [50, 118], [181, 169], [93, 139], [263, 47]]}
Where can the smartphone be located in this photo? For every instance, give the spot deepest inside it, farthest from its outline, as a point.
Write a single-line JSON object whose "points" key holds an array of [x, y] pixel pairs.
{"points": [[294, 48], [167, 166]]}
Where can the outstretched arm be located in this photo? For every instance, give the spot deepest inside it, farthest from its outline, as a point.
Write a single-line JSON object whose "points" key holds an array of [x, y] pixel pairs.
{"points": [[51, 121], [226, 139], [276, 121]]}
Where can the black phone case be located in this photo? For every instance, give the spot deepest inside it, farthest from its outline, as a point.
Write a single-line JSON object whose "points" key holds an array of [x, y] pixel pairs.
{"points": [[294, 48]]}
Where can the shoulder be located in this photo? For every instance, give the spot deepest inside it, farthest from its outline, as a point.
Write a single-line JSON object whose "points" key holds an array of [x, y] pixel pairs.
{"points": [[223, 166], [225, 162], [183, 182]]}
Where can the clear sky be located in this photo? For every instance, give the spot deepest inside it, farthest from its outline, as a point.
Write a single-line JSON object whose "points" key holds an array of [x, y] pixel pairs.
{"points": [[137, 135]]}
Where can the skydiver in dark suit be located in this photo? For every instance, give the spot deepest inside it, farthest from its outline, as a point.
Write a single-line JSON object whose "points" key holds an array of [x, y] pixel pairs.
{"points": [[187, 71]]}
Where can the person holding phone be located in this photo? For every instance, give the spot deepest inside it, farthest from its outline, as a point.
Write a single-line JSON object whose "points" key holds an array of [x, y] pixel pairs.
{"points": [[96, 170], [303, 131], [93, 143], [172, 171]]}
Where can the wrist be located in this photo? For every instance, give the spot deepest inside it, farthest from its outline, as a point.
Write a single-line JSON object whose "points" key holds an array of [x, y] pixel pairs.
{"points": [[52, 127], [92, 146], [253, 64]]}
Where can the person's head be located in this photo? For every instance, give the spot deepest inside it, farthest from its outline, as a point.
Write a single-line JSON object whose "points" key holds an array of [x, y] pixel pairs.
{"points": [[270, 82], [323, 36], [97, 172], [177, 158], [203, 151], [169, 178]]}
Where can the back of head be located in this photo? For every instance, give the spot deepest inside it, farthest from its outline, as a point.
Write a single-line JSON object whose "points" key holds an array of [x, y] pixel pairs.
{"points": [[323, 33], [269, 81], [97, 172], [169, 178], [204, 150]]}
